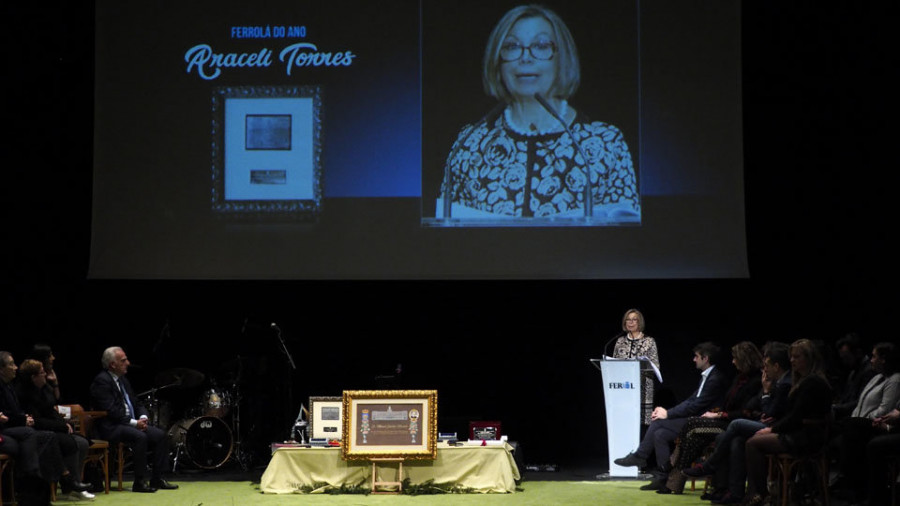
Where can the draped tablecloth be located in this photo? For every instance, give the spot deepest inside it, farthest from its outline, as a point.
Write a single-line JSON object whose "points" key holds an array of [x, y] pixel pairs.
{"points": [[480, 468]]}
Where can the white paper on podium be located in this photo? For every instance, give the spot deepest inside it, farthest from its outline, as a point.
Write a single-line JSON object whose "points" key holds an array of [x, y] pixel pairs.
{"points": [[653, 366], [603, 215], [642, 358]]}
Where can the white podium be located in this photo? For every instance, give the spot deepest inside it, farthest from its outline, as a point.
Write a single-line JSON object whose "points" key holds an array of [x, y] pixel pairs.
{"points": [[622, 398]]}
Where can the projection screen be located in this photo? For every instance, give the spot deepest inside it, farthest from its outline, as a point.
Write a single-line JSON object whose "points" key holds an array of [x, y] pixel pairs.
{"points": [[321, 140]]}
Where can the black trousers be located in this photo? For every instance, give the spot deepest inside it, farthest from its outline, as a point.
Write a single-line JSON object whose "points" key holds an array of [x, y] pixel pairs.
{"points": [[660, 438], [141, 443]]}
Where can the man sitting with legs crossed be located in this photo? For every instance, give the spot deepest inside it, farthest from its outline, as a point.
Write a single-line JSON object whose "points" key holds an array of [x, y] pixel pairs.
{"points": [[665, 424]]}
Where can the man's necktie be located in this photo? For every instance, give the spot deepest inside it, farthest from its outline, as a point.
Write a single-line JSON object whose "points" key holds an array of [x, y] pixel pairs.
{"points": [[127, 399]]}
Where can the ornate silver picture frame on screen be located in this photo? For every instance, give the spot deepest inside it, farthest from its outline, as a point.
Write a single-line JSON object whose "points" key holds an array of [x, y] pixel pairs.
{"points": [[266, 152]]}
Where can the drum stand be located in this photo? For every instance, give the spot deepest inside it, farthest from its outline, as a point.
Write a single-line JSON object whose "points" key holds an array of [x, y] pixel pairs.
{"points": [[180, 449], [239, 455]]}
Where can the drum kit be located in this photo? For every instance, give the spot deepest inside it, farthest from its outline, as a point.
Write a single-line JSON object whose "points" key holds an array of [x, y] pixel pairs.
{"points": [[205, 431]]}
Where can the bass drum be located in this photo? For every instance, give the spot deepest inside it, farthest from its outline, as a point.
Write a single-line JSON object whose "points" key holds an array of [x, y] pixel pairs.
{"points": [[206, 439]]}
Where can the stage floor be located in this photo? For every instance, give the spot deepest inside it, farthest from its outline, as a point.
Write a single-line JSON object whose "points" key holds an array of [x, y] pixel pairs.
{"points": [[229, 488]]}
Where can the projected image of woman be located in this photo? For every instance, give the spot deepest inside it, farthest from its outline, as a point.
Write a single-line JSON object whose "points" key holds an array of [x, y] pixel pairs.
{"points": [[532, 159]]}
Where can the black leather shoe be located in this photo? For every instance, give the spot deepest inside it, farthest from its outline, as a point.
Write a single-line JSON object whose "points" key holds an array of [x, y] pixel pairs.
{"points": [[630, 460], [654, 485], [664, 490], [142, 486], [162, 484], [714, 495], [70, 484]]}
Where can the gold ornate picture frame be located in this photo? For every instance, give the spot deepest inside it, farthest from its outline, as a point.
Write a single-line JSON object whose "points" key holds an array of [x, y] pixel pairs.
{"points": [[389, 424]]}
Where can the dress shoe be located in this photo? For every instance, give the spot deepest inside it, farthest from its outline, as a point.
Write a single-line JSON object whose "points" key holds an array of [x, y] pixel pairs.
{"points": [[161, 484], [70, 484], [700, 471], [715, 495], [81, 496], [142, 486], [630, 460], [664, 490], [655, 484]]}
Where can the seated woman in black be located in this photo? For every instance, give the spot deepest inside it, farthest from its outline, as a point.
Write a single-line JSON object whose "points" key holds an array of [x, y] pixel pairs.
{"points": [[38, 398], [810, 399]]}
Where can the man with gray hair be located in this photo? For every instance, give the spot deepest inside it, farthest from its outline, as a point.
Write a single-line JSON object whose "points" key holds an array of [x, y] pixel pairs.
{"points": [[126, 421]]}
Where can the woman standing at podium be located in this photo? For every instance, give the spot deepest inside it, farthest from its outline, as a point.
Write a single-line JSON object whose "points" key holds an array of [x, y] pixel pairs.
{"points": [[635, 344]]}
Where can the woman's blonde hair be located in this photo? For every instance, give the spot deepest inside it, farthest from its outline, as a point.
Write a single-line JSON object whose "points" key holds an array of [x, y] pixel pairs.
{"points": [[640, 318], [568, 69], [30, 367], [814, 359]]}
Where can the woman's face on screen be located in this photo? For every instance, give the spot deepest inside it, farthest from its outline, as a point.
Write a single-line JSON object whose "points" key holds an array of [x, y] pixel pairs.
{"points": [[528, 75]]}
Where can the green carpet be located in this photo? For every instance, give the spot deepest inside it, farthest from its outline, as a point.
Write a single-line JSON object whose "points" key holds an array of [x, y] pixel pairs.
{"points": [[229, 493]]}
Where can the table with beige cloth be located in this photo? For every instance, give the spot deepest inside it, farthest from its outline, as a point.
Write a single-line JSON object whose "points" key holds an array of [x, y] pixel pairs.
{"points": [[480, 468]]}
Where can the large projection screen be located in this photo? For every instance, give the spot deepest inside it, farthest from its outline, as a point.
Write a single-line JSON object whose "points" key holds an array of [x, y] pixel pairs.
{"points": [[310, 140]]}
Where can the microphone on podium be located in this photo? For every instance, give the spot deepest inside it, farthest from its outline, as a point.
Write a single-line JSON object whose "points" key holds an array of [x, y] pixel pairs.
{"points": [[614, 338], [588, 190]]}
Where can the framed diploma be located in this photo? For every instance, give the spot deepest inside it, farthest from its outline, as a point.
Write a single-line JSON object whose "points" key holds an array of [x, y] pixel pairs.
{"points": [[325, 415], [389, 424], [266, 152]]}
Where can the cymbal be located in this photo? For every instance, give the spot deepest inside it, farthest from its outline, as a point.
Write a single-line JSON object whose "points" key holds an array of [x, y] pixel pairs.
{"points": [[180, 377]]}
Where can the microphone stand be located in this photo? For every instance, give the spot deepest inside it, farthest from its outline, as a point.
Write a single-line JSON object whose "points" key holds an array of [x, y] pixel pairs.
{"points": [[164, 333], [290, 359], [606, 346], [284, 348], [588, 190], [240, 455]]}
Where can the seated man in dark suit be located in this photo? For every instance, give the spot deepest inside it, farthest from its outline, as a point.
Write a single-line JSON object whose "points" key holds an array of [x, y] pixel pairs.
{"points": [[126, 421], [666, 424]]}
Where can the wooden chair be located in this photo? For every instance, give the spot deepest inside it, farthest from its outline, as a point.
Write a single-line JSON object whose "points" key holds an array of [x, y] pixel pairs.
{"points": [[892, 472], [782, 466], [7, 462], [706, 483], [101, 456], [120, 461], [98, 452], [710, 448]]}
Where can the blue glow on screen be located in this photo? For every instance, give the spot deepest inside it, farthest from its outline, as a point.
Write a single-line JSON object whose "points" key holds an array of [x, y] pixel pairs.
{"points": [[373, 143]]}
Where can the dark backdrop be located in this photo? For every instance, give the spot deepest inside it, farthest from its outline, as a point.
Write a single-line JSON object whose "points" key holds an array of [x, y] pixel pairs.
{"points": [[817, 112]]}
